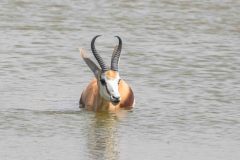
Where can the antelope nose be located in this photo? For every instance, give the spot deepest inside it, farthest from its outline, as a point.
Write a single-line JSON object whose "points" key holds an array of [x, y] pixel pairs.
{"points": [[115, 99]]}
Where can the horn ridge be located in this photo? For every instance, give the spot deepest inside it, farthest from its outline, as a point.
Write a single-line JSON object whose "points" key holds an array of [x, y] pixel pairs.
{"points": [[116, 55], [97, 56]]}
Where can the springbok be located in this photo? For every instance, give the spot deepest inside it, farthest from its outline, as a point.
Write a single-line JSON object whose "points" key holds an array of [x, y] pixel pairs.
{"points": [[107, 91]]}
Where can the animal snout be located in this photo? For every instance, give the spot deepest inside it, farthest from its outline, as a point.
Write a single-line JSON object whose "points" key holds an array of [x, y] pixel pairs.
{"points": [[115, 99]]}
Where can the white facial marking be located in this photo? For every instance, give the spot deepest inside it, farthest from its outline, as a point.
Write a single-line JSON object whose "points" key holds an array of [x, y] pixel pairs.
{"points": [[110, 89], [113, 87]]}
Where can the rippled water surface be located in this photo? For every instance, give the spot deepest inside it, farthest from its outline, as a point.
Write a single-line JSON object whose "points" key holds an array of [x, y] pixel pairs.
{"points": [[180, 57]]}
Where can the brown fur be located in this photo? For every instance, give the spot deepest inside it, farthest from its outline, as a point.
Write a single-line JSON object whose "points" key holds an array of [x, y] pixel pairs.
{"points": [[111, 74], [91, 99]]}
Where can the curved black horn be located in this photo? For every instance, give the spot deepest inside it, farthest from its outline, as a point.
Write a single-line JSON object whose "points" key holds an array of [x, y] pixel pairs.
{"points": [[116, 55], [97, 56]]}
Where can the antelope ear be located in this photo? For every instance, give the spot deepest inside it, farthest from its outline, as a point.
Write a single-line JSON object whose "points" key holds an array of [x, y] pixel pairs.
{"points": [[94, 68]]}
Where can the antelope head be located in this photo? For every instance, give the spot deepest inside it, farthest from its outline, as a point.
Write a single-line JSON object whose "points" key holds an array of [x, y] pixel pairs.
{"points": [[108, 78]]}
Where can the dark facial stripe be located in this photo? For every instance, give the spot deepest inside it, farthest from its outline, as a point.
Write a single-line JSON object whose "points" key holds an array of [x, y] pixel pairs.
{"points": [[107, 90]]}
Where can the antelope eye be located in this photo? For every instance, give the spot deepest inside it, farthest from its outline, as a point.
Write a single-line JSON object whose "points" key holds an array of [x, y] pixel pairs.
{"points": [[103, 82]]}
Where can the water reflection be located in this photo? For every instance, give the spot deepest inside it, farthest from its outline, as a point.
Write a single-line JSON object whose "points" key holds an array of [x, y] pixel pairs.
{"points": [[102, 137]]}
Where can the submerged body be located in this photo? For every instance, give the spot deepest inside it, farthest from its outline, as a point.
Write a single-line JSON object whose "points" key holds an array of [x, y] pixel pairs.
{"points": [[92, 101]]}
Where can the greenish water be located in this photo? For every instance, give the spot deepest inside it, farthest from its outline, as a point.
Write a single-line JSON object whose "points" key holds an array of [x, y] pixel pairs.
{"points": [[180, 57]]}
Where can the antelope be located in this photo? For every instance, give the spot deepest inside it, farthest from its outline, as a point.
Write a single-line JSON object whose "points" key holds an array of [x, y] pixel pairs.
{"points": [[107, 91]]}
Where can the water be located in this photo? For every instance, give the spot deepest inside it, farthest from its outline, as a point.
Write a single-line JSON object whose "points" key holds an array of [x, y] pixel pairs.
{"points": [[180, 57]]}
